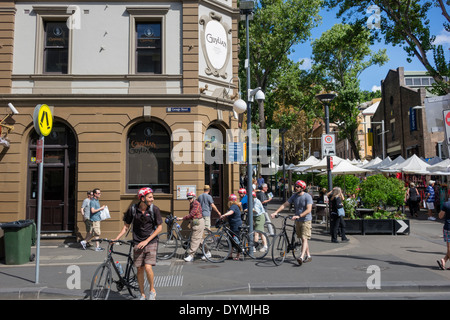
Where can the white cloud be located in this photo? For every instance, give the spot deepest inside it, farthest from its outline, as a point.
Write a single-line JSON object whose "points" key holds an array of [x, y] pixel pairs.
{"points": [[443, 38], [376, 88], [307, 62]]}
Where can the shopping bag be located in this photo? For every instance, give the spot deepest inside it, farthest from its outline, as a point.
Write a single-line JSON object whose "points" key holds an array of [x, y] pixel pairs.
{"points": [[104, 214]]}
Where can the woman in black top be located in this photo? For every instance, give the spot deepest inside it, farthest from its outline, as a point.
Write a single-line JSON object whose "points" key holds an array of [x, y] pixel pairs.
{"points": [[337, 220], [413, 199]]}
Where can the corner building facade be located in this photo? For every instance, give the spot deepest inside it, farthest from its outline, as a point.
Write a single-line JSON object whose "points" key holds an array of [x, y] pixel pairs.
{"points": [[136, 88]]}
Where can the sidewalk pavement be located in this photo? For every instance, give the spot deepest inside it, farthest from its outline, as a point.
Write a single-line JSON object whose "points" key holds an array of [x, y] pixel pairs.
{"points": [[406, 263]]}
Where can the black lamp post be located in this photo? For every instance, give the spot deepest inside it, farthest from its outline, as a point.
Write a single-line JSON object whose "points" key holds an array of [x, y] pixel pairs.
{"points": [[325, 99], [246, 8], [283, 131]]}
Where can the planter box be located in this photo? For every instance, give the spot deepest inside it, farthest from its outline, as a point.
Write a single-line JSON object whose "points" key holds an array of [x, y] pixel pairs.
{"points": [[401, 226], [380, 226], [353, 226]]}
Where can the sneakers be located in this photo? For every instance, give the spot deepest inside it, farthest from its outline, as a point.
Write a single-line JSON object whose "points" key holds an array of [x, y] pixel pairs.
{"points": [[263, 249], [431, 218], [152, 295], [207, 255], [99, 249], [189, 258], [301, 260], [83, 244]]}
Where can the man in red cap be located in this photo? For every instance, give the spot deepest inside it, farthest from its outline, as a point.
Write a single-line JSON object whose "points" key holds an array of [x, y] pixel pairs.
{"points": [[197, 225], [303, 206], [147, 224]]}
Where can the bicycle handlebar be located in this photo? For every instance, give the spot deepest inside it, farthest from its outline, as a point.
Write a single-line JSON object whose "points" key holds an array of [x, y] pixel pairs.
{"points": [[285, 217], [110, 241]]}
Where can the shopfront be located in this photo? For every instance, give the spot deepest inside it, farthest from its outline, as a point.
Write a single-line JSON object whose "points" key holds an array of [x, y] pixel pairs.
{"points": [[132, 106]]}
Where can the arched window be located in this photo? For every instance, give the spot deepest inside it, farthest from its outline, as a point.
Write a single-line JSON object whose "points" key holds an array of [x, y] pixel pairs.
{"points": [[148, 158]]}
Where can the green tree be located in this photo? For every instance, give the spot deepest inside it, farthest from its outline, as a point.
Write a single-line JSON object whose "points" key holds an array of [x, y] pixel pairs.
{"points": [[403, 23], [276, 27], [340, 55]]}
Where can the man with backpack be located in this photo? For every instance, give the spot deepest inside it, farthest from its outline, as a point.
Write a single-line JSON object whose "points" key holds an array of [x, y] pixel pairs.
{"points": [[147, 224]]}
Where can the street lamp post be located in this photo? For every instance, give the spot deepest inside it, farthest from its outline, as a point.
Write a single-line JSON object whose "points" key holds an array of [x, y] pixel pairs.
{"points": [[283, 131], [246, 7], [325, 99]]}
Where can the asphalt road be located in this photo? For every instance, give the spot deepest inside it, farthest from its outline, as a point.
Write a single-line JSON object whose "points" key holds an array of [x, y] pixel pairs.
{"points": [[366, 267]]}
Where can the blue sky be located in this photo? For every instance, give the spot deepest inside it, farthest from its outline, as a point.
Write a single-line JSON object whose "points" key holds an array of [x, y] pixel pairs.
{"points": [[371, 78]]}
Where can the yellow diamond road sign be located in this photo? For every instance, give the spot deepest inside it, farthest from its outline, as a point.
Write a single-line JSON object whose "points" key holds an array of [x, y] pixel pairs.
{"points": [[43, 119]]}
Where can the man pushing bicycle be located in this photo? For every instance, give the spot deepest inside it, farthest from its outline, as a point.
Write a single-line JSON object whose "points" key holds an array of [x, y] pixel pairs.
{"points": [[303, 206], [147, 224]]}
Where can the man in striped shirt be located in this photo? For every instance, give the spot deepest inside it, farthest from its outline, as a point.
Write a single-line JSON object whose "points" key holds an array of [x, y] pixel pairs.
{"points": [[429, 199]]}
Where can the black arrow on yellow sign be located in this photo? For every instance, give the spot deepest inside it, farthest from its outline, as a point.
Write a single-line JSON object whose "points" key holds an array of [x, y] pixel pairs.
{"points": [[44, 114]]}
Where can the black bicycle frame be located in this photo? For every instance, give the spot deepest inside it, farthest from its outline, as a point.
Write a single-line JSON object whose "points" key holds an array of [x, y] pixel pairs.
{"points": [[129, 265]]}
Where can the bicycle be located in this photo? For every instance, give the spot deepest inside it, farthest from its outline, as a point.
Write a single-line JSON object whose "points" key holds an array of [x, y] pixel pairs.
{"points": [[218, 245], [282, 244], [169, 241], [104, 277], [269, 227]]}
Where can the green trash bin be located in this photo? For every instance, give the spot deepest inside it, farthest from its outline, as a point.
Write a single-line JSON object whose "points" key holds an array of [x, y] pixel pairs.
{"points": [[18, 238]]}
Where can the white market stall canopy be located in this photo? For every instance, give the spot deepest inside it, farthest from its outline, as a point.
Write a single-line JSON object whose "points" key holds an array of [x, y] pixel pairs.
{"points": [[303, 165], [323, 163], [346, 167], [440, 169], [413, 165], [372, 162]]}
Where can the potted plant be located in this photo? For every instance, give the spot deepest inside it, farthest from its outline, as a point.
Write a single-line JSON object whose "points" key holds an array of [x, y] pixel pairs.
{"points": [[378, 192], [378, 222]]}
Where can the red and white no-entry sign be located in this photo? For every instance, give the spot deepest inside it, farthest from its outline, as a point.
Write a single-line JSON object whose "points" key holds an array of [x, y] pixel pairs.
{"points": [[447, 125], [328, 144]]}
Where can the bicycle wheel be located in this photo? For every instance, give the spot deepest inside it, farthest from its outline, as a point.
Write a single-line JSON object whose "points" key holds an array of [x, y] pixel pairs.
{"points": [[133, 284], [101, 282], [279, 249], [261, 244], [216, 247], [297, 248], [167, 245]]}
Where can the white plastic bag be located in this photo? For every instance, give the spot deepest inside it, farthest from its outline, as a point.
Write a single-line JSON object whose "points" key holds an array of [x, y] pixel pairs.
{"points": [[104, 214]]}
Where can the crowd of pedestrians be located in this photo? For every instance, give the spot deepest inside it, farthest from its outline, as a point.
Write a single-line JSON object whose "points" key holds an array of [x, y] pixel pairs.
{"points": [[145, 221]]}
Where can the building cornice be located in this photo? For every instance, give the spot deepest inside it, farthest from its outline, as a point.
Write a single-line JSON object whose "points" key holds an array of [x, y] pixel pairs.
{"points": [[118, 100]]}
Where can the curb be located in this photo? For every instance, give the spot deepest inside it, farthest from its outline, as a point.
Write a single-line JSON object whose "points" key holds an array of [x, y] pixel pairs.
{"points": [[41, 293], [45, 293], [335, 288]]}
